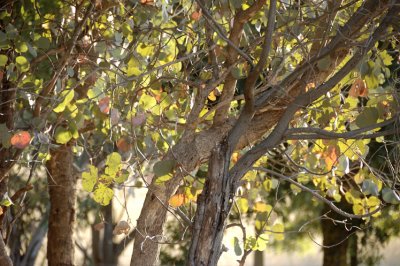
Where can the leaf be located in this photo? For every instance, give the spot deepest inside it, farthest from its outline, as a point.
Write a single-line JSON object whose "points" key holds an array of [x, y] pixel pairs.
{"points": [[212, 96], [236, 246], [358, 89], [22, 63], [243, 205], [123, 145], [103, 194], [358, 209], [62, 135], [121, 228], [386, 58], [196, 15], [390, 196], [262, 207], [162, 168], [369, 187], [3, 60], [278, 230], [43, 43], [6, 200], [21, 139], [89, 179], [138, 119], [324, 64], [121, 176], [373, 201], [113, 163], [21, 47], [104, 105], [367, 117], [67, 96], [330, 156], [177, 200]]}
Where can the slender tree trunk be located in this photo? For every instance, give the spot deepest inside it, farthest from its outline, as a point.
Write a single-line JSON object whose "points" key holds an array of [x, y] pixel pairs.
{"points": [[108, 247], [62, 191]]}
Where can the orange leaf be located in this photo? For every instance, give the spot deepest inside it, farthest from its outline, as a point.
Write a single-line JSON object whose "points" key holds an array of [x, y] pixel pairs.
{"points": [[358, 89], [21, 139], [331, 155], [196, 15], [104, 105], [177, 200]]}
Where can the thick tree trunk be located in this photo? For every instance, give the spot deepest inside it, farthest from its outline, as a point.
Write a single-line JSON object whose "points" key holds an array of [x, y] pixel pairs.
{"points": [[62, 191], [213, 206]]}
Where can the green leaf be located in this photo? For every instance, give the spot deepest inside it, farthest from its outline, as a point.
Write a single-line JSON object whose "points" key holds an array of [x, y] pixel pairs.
{"points": [[324, 64], [113, 163], [386, 58], [122, 177], [43, 43], [22, 63], [367, 117], [390, 196], [3, 60], [21, 47], [162, 168], [89, 179], [103, 194], [6, 201], [67, 97], [236, 246], [62, 135]]}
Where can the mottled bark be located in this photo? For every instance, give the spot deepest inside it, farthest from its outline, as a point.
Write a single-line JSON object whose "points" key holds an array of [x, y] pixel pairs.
{"points": [[62, 192], [213, 207]]}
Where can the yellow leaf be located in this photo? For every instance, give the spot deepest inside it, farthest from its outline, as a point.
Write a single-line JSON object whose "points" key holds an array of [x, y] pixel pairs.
{"points": [[212, 96], [262, 207], [278, 230]]}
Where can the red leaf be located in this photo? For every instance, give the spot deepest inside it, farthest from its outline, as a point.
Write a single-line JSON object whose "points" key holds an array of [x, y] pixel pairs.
{"points": [[358, 89], [21, 140]]}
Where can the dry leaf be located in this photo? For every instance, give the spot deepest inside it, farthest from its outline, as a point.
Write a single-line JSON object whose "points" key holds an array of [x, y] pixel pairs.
{"points": [[358, 89], [121, 228]]}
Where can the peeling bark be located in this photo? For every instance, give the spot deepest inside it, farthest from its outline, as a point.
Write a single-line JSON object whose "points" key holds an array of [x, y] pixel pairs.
{"points": [[62, 191]]}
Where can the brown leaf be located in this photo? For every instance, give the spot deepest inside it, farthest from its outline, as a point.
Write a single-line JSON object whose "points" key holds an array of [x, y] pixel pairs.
{"points": [[358, 89], [121, 228]]}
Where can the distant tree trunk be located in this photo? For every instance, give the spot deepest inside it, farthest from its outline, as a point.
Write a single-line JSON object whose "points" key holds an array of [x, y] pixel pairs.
{"points": [[108, 245], [258, 258], [336, 236], [62, 192]]}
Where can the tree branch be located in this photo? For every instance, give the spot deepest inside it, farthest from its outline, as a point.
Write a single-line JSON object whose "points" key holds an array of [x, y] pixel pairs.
{"points": [[316, 195]]}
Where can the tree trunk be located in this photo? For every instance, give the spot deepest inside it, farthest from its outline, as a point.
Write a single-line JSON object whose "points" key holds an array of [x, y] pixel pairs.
{"points": [[336, 236], [213, 206], [62, 191], [108, 246]]}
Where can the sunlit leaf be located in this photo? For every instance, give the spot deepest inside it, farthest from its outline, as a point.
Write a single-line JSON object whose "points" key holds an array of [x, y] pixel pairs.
{"points": [[103, 194], [62, 135], [177, 200], [89, 178]]}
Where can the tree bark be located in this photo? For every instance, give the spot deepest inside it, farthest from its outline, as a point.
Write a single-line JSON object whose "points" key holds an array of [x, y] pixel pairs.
{"points": [[213, 207], [62, 192]]}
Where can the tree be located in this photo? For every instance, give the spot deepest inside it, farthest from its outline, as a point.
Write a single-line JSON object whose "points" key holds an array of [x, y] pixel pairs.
{"points": [[151, 92]]}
